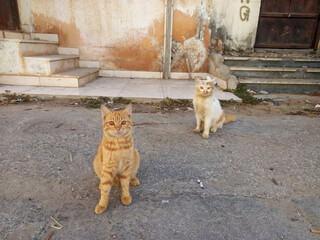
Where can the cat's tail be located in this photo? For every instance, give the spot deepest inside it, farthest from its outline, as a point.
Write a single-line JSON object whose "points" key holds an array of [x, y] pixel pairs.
{"points": [[231, 118]]}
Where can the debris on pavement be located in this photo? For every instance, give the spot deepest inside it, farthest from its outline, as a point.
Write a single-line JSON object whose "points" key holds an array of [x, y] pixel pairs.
{"points": [[165, 201], [276, 103], [314, 231], [50, 235], [200, 183], [143, 123], [59, 225], [275, 181], [13, 98], [264, 92], [251, 91]]}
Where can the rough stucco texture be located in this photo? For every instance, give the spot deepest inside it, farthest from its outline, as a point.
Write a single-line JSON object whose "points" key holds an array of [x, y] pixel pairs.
{"points": [[125, 35], [185, 42], [226, 23], [121, 35]]}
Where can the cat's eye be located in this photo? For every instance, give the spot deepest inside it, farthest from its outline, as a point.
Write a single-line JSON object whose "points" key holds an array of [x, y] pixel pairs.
{"points": [[201, 88], [208, 88], [111, 123], [123, 122]]}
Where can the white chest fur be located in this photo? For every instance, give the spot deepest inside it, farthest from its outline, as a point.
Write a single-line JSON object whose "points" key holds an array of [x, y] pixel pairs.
{"points": [[207, 107]]}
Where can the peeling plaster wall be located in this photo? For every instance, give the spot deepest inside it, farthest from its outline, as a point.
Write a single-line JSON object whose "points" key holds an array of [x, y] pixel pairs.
{"points": [[230, 25], [129, 35], [190, 35], [122, 35]]}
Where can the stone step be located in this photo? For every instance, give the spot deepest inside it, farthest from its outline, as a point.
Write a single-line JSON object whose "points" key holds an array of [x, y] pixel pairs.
{"points": [[38, 47], [297, 62], [50, 64], [290, 85], [50, 37], [68, 51], [72, 78], [275, 72], [7, 34]]}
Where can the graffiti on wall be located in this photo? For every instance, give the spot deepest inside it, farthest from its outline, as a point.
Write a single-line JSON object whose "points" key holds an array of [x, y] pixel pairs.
{"points": [[244, 11]]}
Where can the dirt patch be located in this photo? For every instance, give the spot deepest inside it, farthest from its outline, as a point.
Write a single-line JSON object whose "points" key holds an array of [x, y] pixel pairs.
{"points": [[304, 105]]}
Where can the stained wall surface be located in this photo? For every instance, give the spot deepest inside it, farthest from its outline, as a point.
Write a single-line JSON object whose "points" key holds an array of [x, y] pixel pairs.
{"points": [[122, 35], [129, 35]]}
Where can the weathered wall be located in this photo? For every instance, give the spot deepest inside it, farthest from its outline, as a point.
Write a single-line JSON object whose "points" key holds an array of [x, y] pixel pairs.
{"points": [[129, 35], [25, 15], [122, 35], [190, 35], [234, 22]]}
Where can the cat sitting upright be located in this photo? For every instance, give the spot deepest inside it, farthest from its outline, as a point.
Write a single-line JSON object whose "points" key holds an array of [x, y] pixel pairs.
{"points": [[117, 160], [209, 113]]}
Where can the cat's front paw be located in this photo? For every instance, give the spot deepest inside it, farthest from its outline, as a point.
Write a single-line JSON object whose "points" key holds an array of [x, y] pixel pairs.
{"points": [[213, 130], [205, 136], [135, 181], [100, 209], [197, 130], [126, 200]]}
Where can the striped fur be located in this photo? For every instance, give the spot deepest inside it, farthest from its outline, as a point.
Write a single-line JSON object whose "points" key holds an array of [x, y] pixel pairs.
{"points": [[117, 161]]}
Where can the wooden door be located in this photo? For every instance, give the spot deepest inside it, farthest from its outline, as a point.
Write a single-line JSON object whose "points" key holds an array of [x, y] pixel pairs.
{"points": [[288, 24], [9, 15]]}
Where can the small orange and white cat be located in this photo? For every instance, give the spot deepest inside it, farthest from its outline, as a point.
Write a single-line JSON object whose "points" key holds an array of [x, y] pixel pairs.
{"points": [[209, 113], [117, 161]]}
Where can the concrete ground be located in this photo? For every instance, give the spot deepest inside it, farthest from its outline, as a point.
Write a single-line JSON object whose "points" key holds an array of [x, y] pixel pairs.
{"points": [[260, 176]]}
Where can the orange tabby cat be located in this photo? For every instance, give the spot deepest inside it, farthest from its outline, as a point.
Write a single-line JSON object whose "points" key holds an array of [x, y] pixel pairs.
{"points": [[117, 161]]}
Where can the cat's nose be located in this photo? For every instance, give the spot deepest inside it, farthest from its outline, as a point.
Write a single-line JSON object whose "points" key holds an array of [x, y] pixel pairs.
{"points": [[205, 91], [118, 129]]}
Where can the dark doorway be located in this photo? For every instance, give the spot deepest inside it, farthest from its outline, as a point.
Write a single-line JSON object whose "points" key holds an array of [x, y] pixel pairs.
{"points": [[288, 24], [9, 15]]}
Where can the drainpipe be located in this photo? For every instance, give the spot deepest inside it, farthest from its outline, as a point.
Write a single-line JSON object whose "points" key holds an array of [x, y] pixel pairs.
{"points": [[167, 39]]}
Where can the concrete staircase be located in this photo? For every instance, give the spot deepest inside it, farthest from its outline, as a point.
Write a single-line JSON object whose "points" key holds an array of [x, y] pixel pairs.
{"points": [[36, 59], [287, 73]]}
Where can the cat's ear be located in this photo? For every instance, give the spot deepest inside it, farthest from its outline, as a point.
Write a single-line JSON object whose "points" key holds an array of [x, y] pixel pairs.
{"points": [[104, 111], [209, 81], [128, 109]]}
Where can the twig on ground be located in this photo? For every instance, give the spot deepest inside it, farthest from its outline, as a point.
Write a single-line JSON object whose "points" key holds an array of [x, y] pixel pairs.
{"points": [[50, 235], [143, 123]]}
